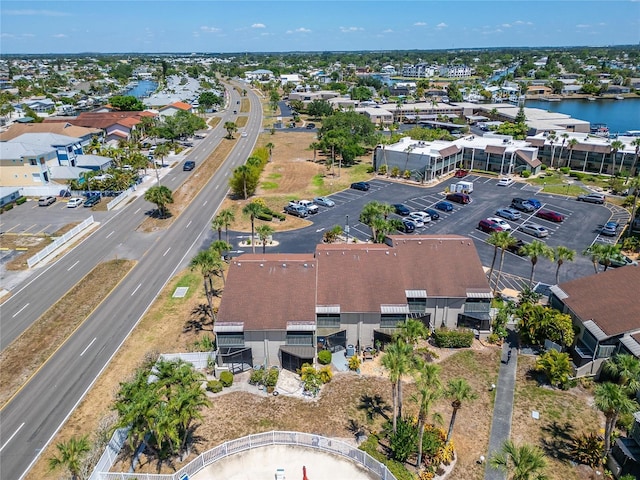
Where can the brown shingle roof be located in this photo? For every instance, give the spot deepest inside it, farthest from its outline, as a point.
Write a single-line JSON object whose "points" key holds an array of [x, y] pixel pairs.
{"points": [[105, 119], [265, 295], [61, 128], [610, 299]]}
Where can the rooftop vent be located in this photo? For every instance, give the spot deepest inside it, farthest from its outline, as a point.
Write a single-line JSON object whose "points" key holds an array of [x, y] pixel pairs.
{"points": [[284, 265], [262, 264]]}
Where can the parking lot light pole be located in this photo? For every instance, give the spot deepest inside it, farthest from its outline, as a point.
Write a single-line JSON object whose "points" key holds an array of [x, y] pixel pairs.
{"points": [[346, 229]]}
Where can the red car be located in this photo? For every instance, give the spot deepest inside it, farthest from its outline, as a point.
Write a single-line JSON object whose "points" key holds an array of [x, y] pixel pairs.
{"points": [[489, 226], [460, 173], [550, 215]]}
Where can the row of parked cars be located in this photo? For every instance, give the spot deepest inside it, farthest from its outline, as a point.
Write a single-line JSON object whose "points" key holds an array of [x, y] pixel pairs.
{"points": [[513, 213], [304, 208], [73, 202]]}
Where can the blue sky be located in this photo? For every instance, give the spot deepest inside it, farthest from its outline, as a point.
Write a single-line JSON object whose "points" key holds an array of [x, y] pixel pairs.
{"points": [[150, 26]]}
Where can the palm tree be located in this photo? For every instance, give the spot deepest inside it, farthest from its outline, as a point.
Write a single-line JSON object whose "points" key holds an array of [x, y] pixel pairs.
{"points": [[560, 254], [216, 224], [264, 232], [412, 330], [505, 242], [524, 462], [635, 185], [252, 209], [612, 400], [616, 145], [315, 146], [71, 455], [459, 391], [533, 251], [635, 143], [564, 136], [429, 391], [572, 143], [187, 405], [231, 128], [625, 368], [594, 252], [228, 217], [552, 138], [496, 239], [270, 146], [161, 196], [607, 253], [396, 359], [208, 262]]}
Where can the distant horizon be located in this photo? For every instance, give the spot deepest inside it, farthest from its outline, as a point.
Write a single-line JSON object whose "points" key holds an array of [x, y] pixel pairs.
{"points": [[116, 27]]}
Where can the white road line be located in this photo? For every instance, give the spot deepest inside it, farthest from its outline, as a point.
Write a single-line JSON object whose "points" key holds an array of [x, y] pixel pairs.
{"points": [[11, 437], [217, 186], [165, 253], [77, 262], [134, 292], [205, 202], [87, 347], [19, 311], [137, 210], [112, 232], [188, 224]]}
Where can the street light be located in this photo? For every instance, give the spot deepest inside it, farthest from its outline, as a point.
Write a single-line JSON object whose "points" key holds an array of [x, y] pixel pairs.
{"points": [[346, 229]]}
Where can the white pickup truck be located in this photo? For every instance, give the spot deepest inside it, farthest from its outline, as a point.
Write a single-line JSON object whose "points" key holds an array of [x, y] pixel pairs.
{"points": [[311, 207]]}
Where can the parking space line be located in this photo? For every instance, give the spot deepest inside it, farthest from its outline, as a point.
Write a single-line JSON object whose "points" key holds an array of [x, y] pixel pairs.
{"points": [[29, 228], [43, 229], [12, 228]]}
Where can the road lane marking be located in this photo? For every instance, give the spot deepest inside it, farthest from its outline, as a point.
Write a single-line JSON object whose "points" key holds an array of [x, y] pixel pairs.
{"points": [[112, 232], [77, 262], [18, 312], [165, 253], [134, 292], [137, 210], [87, 347], [188, 224], [11, 437], [205, 202], [217, 186]]}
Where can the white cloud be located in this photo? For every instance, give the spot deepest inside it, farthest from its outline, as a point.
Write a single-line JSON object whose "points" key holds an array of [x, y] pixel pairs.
{"points": [[388, 30], [59, 35], [442, 25], [505, 25], [7, 35], [43, 13], [299, 30], [350, 29], [258, 25], [206, 29], [420, 24], [582, 25]]}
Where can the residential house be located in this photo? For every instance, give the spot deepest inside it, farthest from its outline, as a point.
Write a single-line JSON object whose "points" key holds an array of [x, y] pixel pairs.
{"points": [[61, 128], [278, 309], [173, 108], [606, 312], [115, 125]]}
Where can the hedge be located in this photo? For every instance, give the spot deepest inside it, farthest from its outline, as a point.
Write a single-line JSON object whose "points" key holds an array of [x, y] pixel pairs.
{"points": [[453, 338], [214, 386], [226, 378], [21, 200], [264, 216]]}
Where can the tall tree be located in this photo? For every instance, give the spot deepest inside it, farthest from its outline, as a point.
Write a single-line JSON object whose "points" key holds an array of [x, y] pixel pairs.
{"points": [[560, 255], [228, 217], [264, 232], [625, 368], [161, 196], [524, 462], [217, 224], [504, 242], [429, 391], [396, 360], [534, 251], [458, 391], [497, 239], [616, 146], [209, 262], [252, 210], [612, 400], [571, 145], [70, 456], [231, 128]]}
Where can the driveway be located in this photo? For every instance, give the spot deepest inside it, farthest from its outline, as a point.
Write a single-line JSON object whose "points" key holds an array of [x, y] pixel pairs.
{"points": [[579, 230]]}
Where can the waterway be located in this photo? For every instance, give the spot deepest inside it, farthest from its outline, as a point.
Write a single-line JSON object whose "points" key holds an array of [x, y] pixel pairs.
{"points": [[619, 115], [144, 88]]}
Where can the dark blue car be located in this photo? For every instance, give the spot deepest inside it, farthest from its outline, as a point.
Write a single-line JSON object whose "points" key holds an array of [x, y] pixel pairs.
{"points": [[444, 206], [432, 213], [401, 209], [535, 202], [407, 226], [364, 186]]}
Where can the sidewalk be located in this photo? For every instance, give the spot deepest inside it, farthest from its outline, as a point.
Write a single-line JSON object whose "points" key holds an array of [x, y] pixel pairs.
{"points": [[503, 406]]}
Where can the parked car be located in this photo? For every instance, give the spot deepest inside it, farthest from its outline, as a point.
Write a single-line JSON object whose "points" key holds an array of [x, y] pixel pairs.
{"points": [[422, 216], [311, 207], [46, 201], [461, 173], [534, 229], [506, 181], [364, 186], [592, 198], [550, 215], [522, 205], [189, 165], [444, 206], [432, 213], [516, 248], [296, 210], [462, 198], [620, 261], [508, 213], [503, 223], [92, 200], [610, 229], [489, 226], [324, 201], [535, 202], [401, 209], [407, 226], [74, 202]]}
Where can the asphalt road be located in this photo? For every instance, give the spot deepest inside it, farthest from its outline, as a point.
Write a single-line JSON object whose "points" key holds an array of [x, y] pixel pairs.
{"points": [[578, 231], [34, 415]]}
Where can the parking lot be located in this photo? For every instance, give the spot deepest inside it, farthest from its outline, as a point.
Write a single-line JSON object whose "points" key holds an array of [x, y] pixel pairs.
{"points": [[579, 230]]}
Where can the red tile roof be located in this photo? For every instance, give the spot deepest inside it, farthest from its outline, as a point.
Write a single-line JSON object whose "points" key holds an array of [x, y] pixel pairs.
{"points": [[609, 298]]}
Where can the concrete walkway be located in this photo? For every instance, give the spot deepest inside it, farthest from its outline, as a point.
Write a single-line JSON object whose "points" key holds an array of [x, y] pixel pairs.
{"points": [[503, 406]]}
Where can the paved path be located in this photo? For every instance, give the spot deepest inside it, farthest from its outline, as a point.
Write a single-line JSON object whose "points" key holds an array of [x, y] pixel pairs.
{"points": [[503, 406]]}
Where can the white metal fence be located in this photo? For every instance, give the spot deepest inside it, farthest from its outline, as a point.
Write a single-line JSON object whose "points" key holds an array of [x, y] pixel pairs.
{"points": [[52, 247], [199, 360], [116, 201], [42, 190], [306, 440]]}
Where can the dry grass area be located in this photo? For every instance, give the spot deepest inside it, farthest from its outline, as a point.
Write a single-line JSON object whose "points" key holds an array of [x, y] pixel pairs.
{"points": [[31, 349], [564, 415], [190, 188], [241, 121]]}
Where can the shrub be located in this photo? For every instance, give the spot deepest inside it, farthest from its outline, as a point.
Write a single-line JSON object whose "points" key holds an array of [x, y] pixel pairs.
{"points": [[354, 363], [214, 386], [325, 374], [382, 170], [453, 338], [398, 470], [526, 174], [556, 366], [271, 378], [264, 216], [257, 376], [370, 169], [21, 200], [226, 378], [8, 207], [493, 338], [324, 357], [564, 170], [395, 171], [543, 167]]}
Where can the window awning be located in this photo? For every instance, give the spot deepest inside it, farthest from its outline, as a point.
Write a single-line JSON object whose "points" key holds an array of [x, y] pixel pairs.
{"points": [[394, 309], [299, 351], [631, 345], [415, 293], [301, 326], [479, 294], [227, 327], [595, 330], [327, 308], [558, 292]]}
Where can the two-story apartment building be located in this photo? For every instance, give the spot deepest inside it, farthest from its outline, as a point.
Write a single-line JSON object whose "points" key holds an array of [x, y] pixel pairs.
{"points": [[606, 312], [278, 309]]}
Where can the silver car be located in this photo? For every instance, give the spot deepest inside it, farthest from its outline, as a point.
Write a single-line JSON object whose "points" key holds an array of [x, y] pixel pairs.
{"points": [[508, 213], [592, 198], [534, 229], [324, 201]]}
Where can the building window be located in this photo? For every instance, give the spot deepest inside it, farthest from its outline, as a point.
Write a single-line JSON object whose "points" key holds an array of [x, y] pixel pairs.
{"points": [[328, 320], [33, 161], [475, 305], [392, 320], [417, 305], [299, 338], [230, 339]]}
